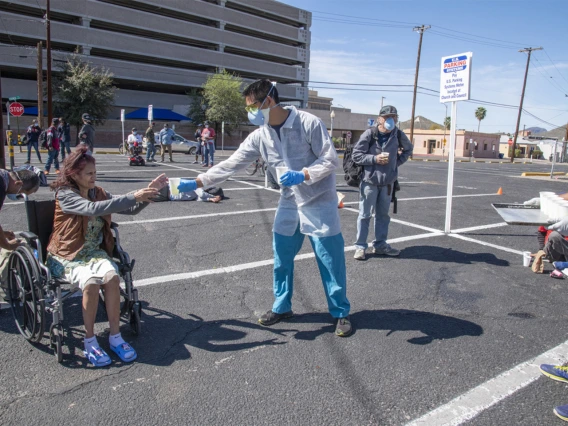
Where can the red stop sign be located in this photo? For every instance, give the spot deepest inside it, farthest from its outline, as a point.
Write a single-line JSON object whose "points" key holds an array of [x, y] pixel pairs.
{"points": [[510, 141], [16, 109]]}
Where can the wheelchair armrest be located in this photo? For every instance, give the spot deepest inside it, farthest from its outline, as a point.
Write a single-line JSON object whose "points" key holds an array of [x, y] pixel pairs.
{"points": [[27, 235]]}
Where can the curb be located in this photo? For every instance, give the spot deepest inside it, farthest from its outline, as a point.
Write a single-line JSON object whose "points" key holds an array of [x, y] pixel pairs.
{"points": [[526, 174]]}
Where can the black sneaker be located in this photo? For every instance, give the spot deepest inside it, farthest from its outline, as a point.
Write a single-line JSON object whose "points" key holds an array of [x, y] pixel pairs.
{"points": [[270, 317], [343, 328]]}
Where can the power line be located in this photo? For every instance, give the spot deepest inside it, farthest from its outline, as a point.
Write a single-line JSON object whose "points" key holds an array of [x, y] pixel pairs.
{"points": [[540, 68], [559, 73]]}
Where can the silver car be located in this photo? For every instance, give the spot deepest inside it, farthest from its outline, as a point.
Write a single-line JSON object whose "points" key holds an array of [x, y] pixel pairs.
{"points": [[179, 144]]}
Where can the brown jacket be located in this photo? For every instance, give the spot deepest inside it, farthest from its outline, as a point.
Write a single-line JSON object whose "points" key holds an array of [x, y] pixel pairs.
{"points": [[69, 230]]}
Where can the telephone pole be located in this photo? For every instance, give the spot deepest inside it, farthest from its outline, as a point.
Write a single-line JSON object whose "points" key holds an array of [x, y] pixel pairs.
{"points": [[48, 47], [514, 146], [2, 151], [40, 84], [421, 31]]}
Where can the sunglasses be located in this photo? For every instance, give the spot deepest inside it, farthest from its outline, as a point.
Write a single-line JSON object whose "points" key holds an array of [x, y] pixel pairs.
{"points": [[252, 107]]}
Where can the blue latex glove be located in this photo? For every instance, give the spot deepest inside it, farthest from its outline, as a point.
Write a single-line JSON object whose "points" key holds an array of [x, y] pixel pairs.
{"points": [[187, 185], [291, 178]]}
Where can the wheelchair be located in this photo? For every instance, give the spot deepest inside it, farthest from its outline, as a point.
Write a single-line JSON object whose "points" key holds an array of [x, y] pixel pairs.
{"points": [[33, 292]]}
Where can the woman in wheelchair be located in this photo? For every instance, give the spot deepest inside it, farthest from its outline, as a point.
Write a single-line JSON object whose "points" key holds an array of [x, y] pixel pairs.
{"points": [[81, 245]]}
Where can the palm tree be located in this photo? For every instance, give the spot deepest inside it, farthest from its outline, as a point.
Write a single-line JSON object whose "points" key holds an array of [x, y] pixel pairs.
{"points": [[447, 123], [480, 114]]}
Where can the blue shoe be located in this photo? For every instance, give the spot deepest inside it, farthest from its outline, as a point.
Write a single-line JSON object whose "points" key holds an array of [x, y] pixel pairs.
{"points": [[560, 265], [555, 372], [97, 357], [562, 412], [125, 352]]}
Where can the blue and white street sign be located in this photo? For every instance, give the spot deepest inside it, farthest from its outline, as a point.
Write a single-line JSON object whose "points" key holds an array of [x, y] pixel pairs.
{"points": [[455, 77], [370, 122]]}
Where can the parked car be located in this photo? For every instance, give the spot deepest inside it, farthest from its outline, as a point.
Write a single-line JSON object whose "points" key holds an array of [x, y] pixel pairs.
{"points": [[180, 144]]}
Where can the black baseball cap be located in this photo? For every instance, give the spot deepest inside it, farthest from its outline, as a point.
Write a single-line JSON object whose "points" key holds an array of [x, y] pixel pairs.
{"points": [[388, 110]]}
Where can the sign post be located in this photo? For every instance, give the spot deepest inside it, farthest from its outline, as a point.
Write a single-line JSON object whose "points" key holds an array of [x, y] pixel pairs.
{"points": [[222, 136], [122, 121], [150, 114], [454, 87]]}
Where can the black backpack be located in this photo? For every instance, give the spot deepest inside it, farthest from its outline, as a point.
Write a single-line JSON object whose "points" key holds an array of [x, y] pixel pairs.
{"points": [[352, 170], [43, 139]]}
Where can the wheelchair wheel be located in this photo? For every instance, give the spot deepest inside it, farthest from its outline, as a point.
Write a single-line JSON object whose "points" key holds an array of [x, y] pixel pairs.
{"points": [[26, 296], [135, 314], [121, 148]]}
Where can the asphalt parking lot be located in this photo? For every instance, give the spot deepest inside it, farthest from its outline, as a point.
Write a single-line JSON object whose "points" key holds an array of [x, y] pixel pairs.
{"points": [[450, 332]]}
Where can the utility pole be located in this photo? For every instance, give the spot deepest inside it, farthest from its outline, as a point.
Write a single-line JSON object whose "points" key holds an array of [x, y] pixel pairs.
{"points": [[2, 151], [514, 146], [382, 100], [48, 47], [421, 31], [40, 84]]}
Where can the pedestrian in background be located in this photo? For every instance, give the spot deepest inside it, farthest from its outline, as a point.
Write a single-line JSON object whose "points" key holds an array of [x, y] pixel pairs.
{"points": [[64, 133], [32, 135], [380, 150], [166, 140], [199, 151], [150, 140], [208, 137], [52, 147], [87, 132]]}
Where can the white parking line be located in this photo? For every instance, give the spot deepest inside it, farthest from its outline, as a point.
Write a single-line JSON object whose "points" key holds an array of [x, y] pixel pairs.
{"points": [[431, 198], [244, 266], [477, 228], [197, 216], [483, 243], [468, 405]]}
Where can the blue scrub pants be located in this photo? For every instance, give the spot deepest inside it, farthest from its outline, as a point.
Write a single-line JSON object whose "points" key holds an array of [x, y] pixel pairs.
{"points": [[330, 256]]}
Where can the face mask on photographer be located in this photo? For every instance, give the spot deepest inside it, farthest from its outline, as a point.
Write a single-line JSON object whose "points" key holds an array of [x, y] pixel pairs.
{"points": [[389, 124]]}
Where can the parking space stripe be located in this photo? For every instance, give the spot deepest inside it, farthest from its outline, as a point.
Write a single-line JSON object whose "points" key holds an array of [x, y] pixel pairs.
{"points": [[236, 268], [197, 216], [468, 405], [477, 228], [483, 243]]}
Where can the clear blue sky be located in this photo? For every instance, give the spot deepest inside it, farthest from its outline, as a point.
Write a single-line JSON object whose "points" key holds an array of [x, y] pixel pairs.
{"points": [[372, 42]]}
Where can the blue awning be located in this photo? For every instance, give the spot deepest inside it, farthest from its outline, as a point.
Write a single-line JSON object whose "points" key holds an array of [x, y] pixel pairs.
{"points": [[33, 111], [159, 114]]}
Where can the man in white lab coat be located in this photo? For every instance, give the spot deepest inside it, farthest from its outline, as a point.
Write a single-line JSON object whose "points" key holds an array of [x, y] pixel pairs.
{"points": [[300, 142]]}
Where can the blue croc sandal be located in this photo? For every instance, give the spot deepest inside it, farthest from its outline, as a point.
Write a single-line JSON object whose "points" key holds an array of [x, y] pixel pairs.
{"points": [[98, 357], [125, 352]]}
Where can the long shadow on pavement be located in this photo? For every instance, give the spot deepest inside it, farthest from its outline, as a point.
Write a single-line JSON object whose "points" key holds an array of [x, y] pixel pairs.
{"points": [[449, 255], [433, 326]]}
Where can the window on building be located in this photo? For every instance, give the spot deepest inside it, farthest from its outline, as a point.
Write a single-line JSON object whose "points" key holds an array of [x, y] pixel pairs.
{"points": [[467, 146], [438, 144], [424, 144], [485, 147]]}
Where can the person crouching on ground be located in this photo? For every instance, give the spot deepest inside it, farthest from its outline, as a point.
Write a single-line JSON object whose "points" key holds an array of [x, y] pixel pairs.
{"points": [[378, 152], [81, 245]]}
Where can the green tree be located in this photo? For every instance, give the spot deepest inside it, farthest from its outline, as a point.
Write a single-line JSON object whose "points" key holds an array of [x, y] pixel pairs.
{"points": [[80, 87], [435, 126], [480, 114], [224, 101], [197, 106], [448, 122]]}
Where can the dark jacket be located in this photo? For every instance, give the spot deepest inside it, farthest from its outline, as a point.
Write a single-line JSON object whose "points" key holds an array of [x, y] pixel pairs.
{"points": [[33, 134], [89, 138], [367, 148], [64, 131]]}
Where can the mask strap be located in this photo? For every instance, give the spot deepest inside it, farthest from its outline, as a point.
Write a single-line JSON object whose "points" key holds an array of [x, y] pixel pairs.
{"points": [[267, 95]]}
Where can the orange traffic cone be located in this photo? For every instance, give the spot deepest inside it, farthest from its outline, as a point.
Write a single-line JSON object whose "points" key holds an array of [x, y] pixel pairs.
{"points": [[340, 205], [500, 191]]}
